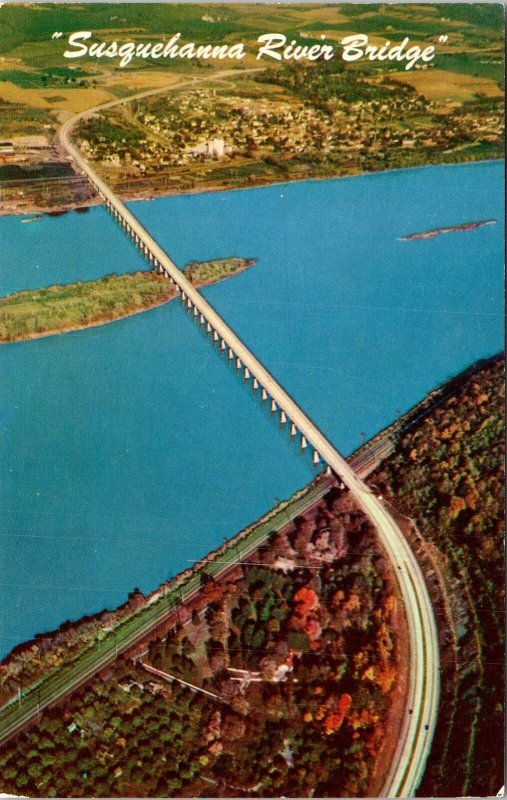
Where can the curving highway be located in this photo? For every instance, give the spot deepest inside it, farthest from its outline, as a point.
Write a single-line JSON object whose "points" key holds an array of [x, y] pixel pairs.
{"points": [[423, 692]]}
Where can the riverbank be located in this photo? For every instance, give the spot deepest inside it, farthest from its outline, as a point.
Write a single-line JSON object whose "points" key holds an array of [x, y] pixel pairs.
{"points": [[150, 191], [71, 637], [61, 309], [262, 614]]}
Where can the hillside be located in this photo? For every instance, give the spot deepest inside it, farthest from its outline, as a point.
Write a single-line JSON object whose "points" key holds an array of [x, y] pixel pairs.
{"points": [[447, 475]]}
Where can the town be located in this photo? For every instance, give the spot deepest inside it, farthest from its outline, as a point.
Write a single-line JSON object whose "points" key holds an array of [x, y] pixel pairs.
{"points": [[219, 136]]}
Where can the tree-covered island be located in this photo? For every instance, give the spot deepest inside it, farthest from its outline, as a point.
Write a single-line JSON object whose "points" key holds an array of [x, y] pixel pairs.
{"points": [[58, 309]]}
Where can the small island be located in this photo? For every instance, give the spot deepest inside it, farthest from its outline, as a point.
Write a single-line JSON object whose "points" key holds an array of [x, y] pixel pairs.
{"points": [[58, 309], [465, 226]]}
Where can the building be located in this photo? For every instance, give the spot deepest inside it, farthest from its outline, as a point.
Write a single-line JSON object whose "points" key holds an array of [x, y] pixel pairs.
{"points": [[214, 148]]}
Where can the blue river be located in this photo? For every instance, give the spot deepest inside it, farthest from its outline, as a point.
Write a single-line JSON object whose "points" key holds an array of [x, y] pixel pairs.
{"points": [[130, 450]]}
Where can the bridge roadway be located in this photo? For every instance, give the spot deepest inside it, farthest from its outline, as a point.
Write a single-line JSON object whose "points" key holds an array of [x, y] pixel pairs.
{"points": [[423, 692]]}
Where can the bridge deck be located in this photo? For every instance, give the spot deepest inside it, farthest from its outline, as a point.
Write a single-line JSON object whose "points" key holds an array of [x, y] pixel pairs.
{"points": [[422, 701]]}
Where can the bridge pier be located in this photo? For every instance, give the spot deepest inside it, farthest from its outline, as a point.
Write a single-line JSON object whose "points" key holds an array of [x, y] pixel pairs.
{"points": [[222, 345], [264, 395], [196, 313], [247, 374], [230, 354], [273, 406], [215, 337], [283, 417], [238, 363], [304, 443], [316, 458], [208, 329], [293, 429], [201, 319], [255, 384]]}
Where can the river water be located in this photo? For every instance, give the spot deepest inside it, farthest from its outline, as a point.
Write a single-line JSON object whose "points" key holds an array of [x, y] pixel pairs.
{"points": [[130, 450]]}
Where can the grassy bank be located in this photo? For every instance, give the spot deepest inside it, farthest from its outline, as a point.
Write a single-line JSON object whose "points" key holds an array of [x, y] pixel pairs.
{"points": [[58, 309]]}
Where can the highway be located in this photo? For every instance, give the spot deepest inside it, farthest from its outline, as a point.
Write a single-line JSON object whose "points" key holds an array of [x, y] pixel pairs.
{"points": [[423, 693]]}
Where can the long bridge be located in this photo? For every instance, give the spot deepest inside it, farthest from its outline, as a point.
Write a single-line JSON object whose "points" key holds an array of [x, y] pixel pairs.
{"points": [[421, 710]]}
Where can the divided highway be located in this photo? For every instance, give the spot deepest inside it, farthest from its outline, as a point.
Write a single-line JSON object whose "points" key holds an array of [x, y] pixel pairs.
{"points": [[423, 686]]}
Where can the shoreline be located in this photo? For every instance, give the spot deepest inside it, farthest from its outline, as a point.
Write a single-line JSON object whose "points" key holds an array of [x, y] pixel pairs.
{"points": [[60, 211], [402, 425]]}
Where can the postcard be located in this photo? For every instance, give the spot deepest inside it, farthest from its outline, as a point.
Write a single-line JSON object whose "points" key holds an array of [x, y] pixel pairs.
{"points": [[252, 416]]}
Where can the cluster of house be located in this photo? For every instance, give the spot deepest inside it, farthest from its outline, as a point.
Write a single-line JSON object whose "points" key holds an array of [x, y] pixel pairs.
{"points": [[201, 125]]}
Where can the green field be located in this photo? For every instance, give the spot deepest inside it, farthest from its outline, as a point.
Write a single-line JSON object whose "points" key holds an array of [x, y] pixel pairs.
{"points": [[26, 32], [46, 78]]}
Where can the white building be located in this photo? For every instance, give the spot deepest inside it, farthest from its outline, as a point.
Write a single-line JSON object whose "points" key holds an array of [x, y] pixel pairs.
{"points": [[214, 148]]}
